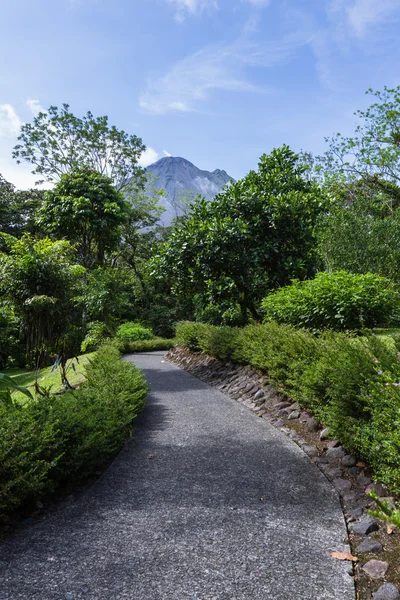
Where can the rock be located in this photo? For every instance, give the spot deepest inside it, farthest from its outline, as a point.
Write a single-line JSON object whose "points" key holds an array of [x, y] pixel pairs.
{"points": [[294, 415], [342, 485], [375, 569], [387, 591], [354, 471], [295, 406], [3, 595], [283, 412], [312, 425], [321, 460], [332, 472], [258, 394], [69, 596], [350, 498], [338, 452], [310, 450], [305, 416], [363, 481], [349, 460], [369, 545], [365, 527], [279, 423], [377, 488], [281, 405], [333, 444], [356, 512], [324, 434]]}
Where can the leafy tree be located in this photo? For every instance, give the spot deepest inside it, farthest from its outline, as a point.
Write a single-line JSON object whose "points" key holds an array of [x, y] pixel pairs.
{"points": [[38, 280], [18, 208], [85, 208], [255, 236], [373, 152], [57, 142]]}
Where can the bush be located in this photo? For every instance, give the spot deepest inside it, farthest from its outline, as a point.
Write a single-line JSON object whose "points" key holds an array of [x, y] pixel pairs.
{"points": [[338, 301], [97, 332], [145, 345], [54, 439], [350, 383], [132, 332]]}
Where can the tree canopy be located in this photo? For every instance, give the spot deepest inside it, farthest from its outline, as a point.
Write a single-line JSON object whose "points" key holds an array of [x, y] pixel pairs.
{"points": [[57, 142]]}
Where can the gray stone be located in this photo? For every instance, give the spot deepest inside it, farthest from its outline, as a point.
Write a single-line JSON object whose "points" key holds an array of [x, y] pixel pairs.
{"points": [[311, 450], [356, 512], [333, 444], [338, 452], [305, 416], [324, 434], [354, 471], [3, 595], [321, 460], [363, 481], [69, 596], [342, 485], [312, 425], [365, 527], [279, 423], [283, 412], [378, 489], [281, 405], [349, 460], [350, 498], [369, 545], [332, 472], [387, 591], [294, 415], [259, 394], [375, 569], [295, 406]]}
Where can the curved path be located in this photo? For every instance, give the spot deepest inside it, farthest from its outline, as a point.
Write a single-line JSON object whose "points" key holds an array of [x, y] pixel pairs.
{"points": [[206, 502]]}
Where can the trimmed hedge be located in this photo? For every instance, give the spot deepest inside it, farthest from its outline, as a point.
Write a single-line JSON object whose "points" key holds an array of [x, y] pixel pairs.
{"points": [[338, 300], [350, 383], [58, 438], [152, 345], [133, 332]]}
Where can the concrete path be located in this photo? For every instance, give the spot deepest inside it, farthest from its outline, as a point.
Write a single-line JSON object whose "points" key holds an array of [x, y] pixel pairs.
{"points": [[206, 502]]}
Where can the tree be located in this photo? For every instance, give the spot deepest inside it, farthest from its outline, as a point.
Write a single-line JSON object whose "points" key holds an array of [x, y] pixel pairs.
{"points": [[256, 235], [373, 152], [58, 142], [18, 208], [38, 280], [85, 208]]}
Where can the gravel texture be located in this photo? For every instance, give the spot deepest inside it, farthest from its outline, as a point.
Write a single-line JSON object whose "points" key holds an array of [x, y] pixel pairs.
{"points": [[206, 502]]}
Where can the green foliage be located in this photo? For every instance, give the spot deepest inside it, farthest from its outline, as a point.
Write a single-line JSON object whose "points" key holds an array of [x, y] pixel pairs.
{"points": [[97, 332], [338, 300], [132, 332], [156, 343], [58, 142], [384, 511], [7, 386], [85, 208], [38, 280], [62, 438], [256, 235], [351, 383]]}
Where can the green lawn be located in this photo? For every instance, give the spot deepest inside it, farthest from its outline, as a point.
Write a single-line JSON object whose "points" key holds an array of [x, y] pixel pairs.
{"points": [[49, 379]]}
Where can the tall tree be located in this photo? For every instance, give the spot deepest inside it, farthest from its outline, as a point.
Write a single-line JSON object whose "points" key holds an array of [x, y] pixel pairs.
{"points": [[255, 236], [85, 208], [58, 142]]}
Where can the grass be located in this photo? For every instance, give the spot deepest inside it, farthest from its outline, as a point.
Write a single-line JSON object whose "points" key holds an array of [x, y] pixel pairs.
{"points": [[48, 379]]}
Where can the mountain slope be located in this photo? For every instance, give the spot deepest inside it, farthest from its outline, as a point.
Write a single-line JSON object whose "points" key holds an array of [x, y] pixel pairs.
{"points": [[183, 181]]}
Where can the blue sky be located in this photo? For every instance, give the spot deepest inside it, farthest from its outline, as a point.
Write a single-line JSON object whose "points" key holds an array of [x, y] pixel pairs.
{"points": [[218, 82]]}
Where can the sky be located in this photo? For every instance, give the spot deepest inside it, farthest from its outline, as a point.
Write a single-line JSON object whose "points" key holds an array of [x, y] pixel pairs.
{"points": [[218, 82]]}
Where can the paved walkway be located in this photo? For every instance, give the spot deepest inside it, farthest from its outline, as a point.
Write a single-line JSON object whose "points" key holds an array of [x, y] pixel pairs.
{"points": [[206, 502]]}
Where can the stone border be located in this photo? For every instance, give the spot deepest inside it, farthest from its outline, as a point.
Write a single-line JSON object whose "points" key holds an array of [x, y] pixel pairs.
{"points": [[350, 477]]}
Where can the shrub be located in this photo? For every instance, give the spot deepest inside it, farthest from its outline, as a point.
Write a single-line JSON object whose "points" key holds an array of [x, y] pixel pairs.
{"points": [[96, 334], [156, 343], [339, 301], [132, 332], [351, 383], [54, 439]]}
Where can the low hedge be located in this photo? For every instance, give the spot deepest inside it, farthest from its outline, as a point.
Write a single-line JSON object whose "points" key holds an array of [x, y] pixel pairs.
{"points": [[152, 345], [58, 438], [350, 383], [338, 300]]}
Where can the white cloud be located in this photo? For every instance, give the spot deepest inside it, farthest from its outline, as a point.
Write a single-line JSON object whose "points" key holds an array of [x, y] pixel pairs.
{"points": [[148, 157], [34, 106], [217, 67], [10, 123], [192, 7], [365, 13], [167, 153], [258, 3]]}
